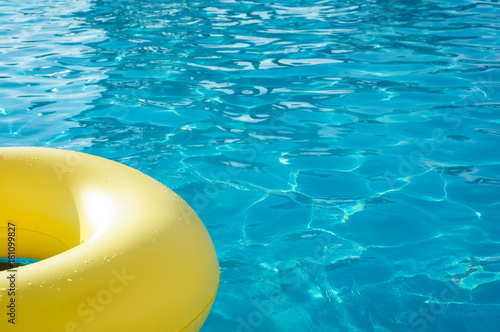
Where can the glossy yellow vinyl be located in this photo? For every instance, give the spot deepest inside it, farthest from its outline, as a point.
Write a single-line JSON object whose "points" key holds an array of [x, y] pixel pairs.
{"points": [[119, 251]]}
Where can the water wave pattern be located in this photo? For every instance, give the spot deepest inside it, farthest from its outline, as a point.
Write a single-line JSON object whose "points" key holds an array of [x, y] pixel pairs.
{"points": [[344, 155]]}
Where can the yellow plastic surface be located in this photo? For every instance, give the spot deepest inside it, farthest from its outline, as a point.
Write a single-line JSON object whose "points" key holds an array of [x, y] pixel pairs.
{"points": [[119, 251]]}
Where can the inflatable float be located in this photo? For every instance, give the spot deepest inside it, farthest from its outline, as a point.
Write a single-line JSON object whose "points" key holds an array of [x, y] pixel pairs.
{"points": [[117, 250]]}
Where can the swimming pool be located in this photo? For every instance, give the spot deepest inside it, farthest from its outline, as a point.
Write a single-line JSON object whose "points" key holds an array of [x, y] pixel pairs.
{"points": [[344, 155]]}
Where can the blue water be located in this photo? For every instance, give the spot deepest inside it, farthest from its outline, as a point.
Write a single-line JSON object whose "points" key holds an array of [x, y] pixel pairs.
{"points": [[344, 155], [6, 264]]}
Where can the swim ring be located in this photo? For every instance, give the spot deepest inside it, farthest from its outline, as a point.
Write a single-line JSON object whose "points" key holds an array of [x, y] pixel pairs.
{"points": [[118, 250]]}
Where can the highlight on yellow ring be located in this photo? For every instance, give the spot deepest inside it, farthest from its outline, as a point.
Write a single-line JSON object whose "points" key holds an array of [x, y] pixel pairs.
{"points": [[118, 250]]}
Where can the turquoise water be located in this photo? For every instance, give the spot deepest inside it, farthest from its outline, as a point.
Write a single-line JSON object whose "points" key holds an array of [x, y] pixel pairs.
{"points": [[6, 264], [344, 155]]}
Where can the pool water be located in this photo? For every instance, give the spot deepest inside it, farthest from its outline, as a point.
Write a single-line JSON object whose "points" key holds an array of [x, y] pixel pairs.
{"points": [[6, 264], [343, 155]]}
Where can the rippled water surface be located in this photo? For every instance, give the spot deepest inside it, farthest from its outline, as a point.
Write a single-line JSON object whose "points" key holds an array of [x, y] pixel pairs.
{"points": [[344, 155]]}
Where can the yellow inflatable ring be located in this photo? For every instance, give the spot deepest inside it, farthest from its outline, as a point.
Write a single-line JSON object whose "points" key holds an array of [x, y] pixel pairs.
{"points": [[118, 250]]}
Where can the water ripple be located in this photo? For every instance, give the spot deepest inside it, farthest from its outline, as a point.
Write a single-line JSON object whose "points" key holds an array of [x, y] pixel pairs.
{"points": [[343, 154]]}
